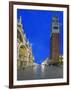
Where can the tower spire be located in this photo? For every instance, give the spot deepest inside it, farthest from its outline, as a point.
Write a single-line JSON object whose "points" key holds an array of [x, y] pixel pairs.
{"points": [[20, 20]]}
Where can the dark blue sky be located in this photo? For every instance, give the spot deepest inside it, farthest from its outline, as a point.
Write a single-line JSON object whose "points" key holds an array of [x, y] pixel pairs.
{"points": [[37, 26]]}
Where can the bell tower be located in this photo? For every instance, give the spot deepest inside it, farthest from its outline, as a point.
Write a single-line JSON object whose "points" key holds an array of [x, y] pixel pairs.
{"points": [[54, 40]]}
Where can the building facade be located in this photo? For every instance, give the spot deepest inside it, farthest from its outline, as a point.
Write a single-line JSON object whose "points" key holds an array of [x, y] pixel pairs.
{"points": [[24, 50]]}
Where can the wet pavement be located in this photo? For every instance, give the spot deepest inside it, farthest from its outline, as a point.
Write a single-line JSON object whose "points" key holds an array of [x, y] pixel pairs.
{"points": [[40, 72]]}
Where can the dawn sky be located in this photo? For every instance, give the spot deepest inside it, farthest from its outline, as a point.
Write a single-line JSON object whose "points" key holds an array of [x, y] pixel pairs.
{"points": [[37, 27]]}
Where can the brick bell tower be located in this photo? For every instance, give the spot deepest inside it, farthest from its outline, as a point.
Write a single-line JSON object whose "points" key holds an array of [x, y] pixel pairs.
{"points": [[54, 40]]}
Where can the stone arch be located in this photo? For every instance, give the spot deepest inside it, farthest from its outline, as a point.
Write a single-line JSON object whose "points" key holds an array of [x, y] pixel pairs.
{"points": [[23, 55], [23, 52]]}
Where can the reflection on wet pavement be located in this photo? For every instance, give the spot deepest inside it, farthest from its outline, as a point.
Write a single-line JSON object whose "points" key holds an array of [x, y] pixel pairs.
{"points": [[40, 72]]}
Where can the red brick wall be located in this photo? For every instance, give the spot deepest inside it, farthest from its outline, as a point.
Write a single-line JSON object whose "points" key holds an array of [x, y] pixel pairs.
{"points": [[55, 47]]}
